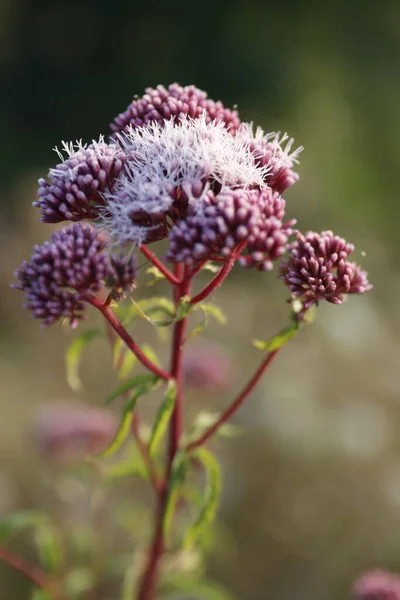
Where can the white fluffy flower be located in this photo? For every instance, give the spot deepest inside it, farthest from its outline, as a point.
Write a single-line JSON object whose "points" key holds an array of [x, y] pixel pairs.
{"points": [[170, 165]]}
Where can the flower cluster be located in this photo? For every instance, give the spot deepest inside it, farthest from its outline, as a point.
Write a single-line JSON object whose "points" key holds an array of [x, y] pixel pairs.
{"points": [[172, 104], [377, 585], [182, 168], [74, 190], [317, 268], [64, 269], [65, 431]]}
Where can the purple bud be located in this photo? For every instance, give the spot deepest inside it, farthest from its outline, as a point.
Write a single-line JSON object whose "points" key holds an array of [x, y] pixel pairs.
{"points": [[317, 268], [74, 188], [176, 102]]}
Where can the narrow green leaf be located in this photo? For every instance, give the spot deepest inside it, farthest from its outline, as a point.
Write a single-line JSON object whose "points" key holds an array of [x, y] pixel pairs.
{"points": [[156, 307], [184, 308], [49, 545], [175, 485], [198, 590], [162, 418], [156, 273], [205, 420], [278, 340], [150, 354], [129, 583], [73, 357], [212, 267], [212, 494], [145, 379], [19, 521], [125, 425], [132, 466], [208, 309]]}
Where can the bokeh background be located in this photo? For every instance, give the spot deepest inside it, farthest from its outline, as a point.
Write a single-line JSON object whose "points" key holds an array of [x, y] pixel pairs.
{"points": [[312, 489]]}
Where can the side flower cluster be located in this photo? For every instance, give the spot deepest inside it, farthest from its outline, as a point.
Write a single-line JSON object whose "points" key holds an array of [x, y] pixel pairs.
{"points": [[318, 268], [65, 268]]}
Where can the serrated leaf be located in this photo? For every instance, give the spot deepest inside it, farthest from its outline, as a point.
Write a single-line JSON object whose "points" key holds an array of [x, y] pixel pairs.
{"points": [[49, 545], [163, 417], [19, 521], [278, 340], [73, 357], [176, 482], [212, 494], [146, 379]]}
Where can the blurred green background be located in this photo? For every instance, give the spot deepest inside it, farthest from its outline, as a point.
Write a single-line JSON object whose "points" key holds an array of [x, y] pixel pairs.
{"points": [[312, 490]]}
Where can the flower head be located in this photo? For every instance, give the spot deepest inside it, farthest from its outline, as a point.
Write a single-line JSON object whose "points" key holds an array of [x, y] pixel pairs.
{"points": [[172, 104], [65, 431], [377, 585], [170, 167], [269, 151], [62, 270], [317, 268], [229, 222], [75, 185]]}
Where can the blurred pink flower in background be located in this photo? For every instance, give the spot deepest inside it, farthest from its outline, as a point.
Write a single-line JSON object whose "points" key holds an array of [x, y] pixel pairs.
{"points": [[67, 431], [206, 366], [377, 585]]}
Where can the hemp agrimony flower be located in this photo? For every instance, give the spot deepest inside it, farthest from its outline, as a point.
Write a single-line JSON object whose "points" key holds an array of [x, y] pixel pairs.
{"points": [[172, 104], [317, 268], [74, 190], [63, 269], [183, 169]]}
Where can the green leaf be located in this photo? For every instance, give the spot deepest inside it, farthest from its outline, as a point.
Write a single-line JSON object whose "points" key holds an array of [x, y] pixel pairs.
{"points": [[208, 309], [162, 418], [129, 583], [125, 425], [156, 273], [19, 521], [199, 590], [78, 582], [184, 308], [49, 544], [205, 420], [212, 267], [176, 482], [150, 354], [73, 357], [156, 307], [278, 340], [39, 594], [132, 466], [124, 360], [138, 381], [212, 494]]}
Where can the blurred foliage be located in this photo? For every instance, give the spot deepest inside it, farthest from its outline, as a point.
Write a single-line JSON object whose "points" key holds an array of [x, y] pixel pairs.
{"points": [[312, 490]]}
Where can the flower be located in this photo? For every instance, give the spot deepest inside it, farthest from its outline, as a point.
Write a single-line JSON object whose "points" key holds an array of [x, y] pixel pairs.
{"points": [[171, 166], [377, 585], [268, 151], [63, 269], [161, 104], [317, 268], [75, 185], [229, 222], [65, 431], [207, 367]]}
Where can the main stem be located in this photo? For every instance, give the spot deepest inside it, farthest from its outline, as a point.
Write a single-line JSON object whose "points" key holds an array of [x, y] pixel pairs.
{"points": [[149, 580]]}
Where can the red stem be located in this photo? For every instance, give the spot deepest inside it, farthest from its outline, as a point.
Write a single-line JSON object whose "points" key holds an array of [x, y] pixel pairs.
{"points": [[124, 335], [236, 404], [220, 276], [37, 576], [148, 583], [159, 265]]}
